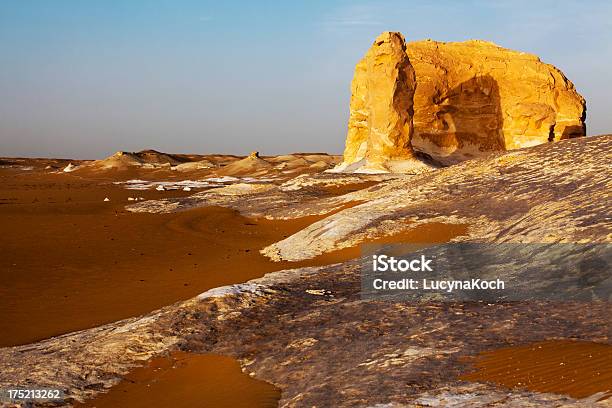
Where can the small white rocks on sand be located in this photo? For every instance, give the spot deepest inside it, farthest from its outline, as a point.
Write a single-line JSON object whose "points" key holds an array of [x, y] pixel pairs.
{"points": [[106, 199], [160, 188]]}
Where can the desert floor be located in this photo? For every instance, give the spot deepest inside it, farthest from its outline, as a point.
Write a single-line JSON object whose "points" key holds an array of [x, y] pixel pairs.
{"points": [[74, 258]]}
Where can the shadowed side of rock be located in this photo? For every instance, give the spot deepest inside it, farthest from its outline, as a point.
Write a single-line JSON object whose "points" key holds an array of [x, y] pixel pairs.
{"points": [[467, 121]]}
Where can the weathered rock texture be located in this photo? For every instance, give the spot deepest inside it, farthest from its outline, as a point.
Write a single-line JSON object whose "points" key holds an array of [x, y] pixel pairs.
{"points": [[471, 98], [308, 330], [380, 123], [475, 96], [508, 197]]}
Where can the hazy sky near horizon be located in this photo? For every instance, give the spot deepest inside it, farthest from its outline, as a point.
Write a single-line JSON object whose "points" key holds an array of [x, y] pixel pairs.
{"points": [[84, 79]]}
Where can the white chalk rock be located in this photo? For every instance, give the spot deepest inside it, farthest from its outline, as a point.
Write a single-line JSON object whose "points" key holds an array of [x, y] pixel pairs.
{"points": [[70, 167]]}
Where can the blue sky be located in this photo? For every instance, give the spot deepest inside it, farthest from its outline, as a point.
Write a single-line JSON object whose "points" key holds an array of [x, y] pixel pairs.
{"points": [[87, 78]]}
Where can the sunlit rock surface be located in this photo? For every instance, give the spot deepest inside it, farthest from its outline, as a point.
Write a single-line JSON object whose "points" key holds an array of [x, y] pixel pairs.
{"points": [[468, 99], [380, 123], [476, 96]]}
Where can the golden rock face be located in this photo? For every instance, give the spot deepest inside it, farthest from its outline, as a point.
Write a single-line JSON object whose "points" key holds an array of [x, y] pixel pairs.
{"points": [[471, 98], [380, 123], [474, 97]]}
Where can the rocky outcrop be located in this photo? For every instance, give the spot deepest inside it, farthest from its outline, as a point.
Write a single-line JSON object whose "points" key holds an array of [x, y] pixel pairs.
{"points": [[380, 123], [252, 165], [506, 197], [143, 159], [471, 98], [475, 97]]}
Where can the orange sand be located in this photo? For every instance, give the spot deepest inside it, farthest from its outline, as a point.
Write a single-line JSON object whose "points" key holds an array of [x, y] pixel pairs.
{"points": [[72, 261], [189, 380], [576, 368]]}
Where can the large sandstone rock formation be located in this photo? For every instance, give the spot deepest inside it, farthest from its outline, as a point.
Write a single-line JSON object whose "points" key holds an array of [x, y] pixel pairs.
{"points": [[475, 97], [380, 123], [471, 98]]}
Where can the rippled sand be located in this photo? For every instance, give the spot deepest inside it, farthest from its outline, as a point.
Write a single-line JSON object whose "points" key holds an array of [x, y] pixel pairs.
{"points": [[576, 368]]}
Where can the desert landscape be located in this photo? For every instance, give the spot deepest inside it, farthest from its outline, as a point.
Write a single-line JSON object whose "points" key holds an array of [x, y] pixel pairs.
{"points": [[158, 279]]}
